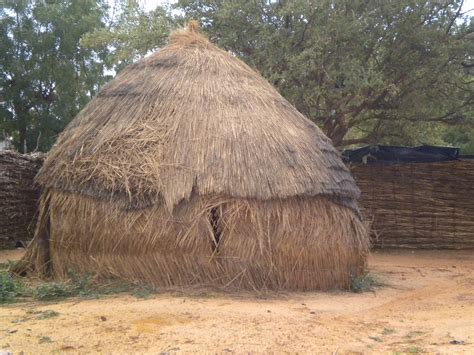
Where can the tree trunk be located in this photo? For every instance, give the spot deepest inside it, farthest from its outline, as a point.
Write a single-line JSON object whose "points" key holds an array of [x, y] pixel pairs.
{"points": [[18, 197]]}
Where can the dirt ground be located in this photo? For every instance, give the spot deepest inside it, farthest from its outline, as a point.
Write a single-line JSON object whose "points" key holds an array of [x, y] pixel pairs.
{"points": [[426, 303]]}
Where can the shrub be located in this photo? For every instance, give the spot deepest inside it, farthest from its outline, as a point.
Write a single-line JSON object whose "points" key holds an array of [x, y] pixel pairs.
{"points": [[75, 286], [52, 290], [364, 283], [10, 287]]}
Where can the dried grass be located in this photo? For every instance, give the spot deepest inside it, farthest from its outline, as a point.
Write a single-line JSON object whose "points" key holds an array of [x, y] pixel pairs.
{"points": [[297, 243], [134, 182]]}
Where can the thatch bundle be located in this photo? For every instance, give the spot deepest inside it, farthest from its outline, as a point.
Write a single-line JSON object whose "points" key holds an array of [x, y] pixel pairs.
{"points": [[419, 205], [18, 197], [189, 168]]}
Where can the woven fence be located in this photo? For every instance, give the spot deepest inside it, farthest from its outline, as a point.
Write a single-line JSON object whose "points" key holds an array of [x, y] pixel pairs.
{"points": [[18, 197], [419, 205]]}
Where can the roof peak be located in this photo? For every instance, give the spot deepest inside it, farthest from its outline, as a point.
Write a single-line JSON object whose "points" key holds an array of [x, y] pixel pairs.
{"points": [[189, 36], [193, 26]]}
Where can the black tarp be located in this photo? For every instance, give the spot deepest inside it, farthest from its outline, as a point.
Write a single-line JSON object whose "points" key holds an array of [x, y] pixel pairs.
{"points": [[393, 154]]}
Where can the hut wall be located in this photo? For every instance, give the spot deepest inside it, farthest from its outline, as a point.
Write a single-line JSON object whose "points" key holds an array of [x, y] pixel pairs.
{"points": [[419, 205], [18, 197], [296, 243]]}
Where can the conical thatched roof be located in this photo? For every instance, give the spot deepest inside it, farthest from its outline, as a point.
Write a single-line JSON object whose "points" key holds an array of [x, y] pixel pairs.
{"points": [[193, 118]]}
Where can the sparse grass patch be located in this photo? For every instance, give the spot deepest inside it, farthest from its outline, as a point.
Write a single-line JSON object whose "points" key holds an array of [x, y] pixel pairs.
{"points": [[388, 331], [74, 286], [143, 292], [45, 339], [414, 333], [365, 283], [377, 339], [3, 266], [84, 286], [10, 287], [414, 350], [52, 290], [81, 285], [47, 314], [115, 287]]}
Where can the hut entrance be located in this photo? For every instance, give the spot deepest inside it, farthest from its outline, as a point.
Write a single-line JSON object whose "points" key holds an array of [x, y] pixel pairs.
{"points": [[214, 218]]}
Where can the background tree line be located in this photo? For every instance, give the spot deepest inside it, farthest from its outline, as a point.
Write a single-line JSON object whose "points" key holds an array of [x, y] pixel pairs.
{"points": [[366, 71]]}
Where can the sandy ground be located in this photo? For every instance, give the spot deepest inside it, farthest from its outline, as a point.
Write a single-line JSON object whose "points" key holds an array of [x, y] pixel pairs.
{"points": [[428, 301]]}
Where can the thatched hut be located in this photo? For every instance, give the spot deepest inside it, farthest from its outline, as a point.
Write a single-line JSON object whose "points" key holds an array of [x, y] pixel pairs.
{"points": [[190, 169]]}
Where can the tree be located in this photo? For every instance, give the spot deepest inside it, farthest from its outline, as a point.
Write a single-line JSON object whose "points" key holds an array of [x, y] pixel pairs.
{"points": [[46, 76], [130, 34], [366, 71]]}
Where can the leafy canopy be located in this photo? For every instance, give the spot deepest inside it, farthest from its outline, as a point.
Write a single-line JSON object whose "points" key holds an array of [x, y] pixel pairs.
{"points": [[366, 71], [46, 76]]}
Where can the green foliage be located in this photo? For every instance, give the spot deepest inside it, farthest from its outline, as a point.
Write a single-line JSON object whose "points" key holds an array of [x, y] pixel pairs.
{"points": [[46, 76], [81, 285], [364, 283], [143, 292], [13, 288], [461, 136], [131, 33], [53, 290], [10, 287], [74, 286], [365, 71]]}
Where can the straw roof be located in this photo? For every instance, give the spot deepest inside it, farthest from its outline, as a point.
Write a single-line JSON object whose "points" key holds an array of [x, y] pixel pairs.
{"points": [[192, 118]]}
